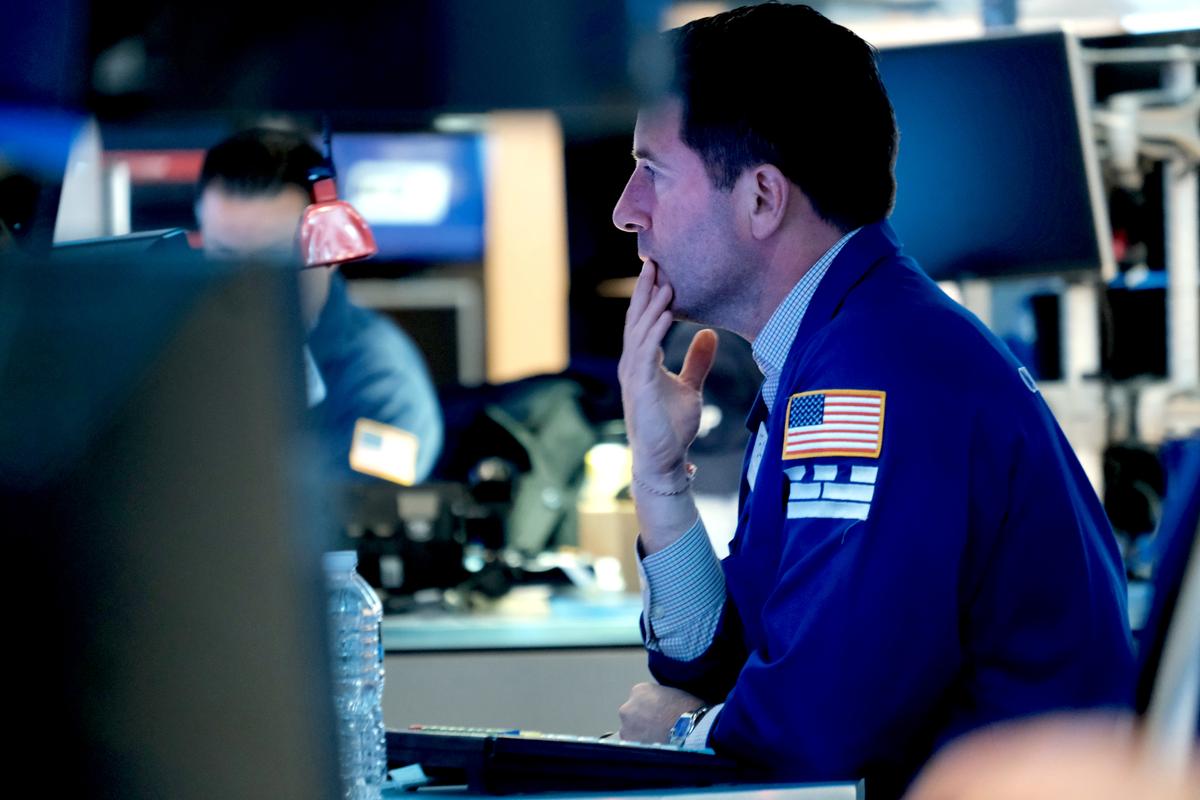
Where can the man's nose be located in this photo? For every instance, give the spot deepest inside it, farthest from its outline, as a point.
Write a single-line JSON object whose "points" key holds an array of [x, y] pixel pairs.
{"points": [[628, 214]]}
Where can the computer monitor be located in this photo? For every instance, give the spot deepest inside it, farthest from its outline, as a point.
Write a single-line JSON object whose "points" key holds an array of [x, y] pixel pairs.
{"points": [[442, 313], [996, 171], [422, 193], [164, 597], [130, 245]]}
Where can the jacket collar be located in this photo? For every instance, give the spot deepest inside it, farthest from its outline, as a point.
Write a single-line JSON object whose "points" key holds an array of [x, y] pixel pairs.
{"points": [[865, 249]]}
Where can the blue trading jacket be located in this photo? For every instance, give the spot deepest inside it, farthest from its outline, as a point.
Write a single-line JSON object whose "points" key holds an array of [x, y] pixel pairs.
{"points": [[879, 604], [370, 369]]}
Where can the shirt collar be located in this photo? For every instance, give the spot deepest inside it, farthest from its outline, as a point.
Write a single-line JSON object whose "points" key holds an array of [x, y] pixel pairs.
{"points": [[771, 346]]}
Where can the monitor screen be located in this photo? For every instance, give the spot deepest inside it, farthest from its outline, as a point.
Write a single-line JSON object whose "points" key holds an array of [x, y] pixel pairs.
{"points": [[994, 177], [422, 193]]}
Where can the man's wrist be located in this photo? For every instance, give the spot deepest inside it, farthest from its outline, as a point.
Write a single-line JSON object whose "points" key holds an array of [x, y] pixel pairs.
{"points": [[667, 485]]}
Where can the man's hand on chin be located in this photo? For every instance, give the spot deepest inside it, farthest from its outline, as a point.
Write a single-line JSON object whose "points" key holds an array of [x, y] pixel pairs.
{"points": [[651, 711]]}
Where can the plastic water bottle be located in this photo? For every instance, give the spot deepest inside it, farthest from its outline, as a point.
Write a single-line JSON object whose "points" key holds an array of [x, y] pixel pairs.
{"points": [[355, 616]]}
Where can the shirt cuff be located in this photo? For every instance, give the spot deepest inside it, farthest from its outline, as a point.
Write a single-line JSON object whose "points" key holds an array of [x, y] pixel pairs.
{"points": [[683, 594], [698, 738]]}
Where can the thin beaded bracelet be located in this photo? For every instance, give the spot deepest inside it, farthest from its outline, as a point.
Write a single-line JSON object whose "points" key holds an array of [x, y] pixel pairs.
{"points": [[689, 469]]}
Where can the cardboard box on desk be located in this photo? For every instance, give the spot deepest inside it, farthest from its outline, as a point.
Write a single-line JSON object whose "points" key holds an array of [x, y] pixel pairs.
{"points": [[608, 528]]}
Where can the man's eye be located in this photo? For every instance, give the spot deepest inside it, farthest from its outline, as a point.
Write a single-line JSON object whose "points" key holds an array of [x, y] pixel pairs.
{"points": [[649, 170]]}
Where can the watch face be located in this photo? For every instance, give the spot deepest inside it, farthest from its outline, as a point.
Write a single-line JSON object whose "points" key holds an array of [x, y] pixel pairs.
{"points": [[681, 729]]}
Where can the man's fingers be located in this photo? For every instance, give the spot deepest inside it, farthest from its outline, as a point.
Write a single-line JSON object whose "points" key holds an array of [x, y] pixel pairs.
{"points": [[652, 297], [643, 354], [659, 301], [658, 331], [699, 359], [642, 290], [643, 340]]}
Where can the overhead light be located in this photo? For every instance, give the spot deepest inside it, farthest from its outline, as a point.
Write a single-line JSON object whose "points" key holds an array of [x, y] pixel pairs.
{"points": [[460, 123], [1155, 22]]}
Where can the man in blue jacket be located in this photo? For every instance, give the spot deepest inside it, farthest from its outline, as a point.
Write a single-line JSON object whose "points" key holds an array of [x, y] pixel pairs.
{"points": [[252, 193], [919, 552]]}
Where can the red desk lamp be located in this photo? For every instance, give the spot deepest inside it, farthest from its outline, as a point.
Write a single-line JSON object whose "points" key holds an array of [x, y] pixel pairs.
{"points": [[332, 232]]}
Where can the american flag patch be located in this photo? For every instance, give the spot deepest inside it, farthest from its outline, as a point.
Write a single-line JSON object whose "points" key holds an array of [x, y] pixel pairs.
{"points": [[834, 422]]}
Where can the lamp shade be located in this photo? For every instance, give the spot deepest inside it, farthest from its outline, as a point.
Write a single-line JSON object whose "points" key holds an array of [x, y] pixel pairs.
{"points": [[332, 232]]}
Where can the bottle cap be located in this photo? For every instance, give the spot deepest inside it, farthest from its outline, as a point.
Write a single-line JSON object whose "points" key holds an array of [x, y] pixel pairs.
{"points": [[339, 561]]}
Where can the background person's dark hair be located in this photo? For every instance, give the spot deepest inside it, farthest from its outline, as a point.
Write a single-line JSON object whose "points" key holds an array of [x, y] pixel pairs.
{"points": [[259, 161], [783, 85]]}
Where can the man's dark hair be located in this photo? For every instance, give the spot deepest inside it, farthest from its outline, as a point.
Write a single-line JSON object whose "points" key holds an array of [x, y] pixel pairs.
{"points": [[783, 85], [259, 161]]}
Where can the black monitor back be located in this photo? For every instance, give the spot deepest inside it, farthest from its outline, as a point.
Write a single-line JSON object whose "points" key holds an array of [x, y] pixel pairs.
{"points": [[163, 599], [157, 244], [994, 174]]}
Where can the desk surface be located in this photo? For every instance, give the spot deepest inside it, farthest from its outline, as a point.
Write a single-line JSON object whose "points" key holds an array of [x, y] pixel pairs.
{"points": [[544, 622], [537, 624]]}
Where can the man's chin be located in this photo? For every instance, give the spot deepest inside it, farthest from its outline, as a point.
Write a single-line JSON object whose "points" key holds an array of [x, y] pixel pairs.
{"points": [[701, 313], [684, 314]]}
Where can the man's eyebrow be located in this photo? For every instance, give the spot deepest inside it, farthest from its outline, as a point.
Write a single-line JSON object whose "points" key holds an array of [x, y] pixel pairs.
{"points": [[641, 152]]}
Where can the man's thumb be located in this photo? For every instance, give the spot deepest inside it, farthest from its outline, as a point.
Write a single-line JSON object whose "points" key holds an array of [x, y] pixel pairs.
{"points": [[699, 359]]}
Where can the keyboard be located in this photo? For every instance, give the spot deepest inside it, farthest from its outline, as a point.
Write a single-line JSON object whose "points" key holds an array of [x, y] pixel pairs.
{"points": [[506, 761]]}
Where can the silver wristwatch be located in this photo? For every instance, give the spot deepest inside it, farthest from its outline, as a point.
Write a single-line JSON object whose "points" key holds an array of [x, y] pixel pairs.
{"points": [[684, 726]]}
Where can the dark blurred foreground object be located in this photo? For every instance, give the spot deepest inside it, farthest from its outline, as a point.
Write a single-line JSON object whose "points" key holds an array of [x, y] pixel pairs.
{"points": [[384, 58], [1047, 759], [164, 609]]}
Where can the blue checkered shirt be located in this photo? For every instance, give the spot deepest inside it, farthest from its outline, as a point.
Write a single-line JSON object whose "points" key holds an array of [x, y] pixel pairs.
{"points": [[683, 587]]}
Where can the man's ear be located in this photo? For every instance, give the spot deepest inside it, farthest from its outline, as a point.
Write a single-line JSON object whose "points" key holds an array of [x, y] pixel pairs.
{"points": [[768, 193]]}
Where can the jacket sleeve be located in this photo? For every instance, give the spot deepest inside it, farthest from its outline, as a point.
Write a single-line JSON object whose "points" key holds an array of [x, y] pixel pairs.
{"points": [[711, 675], [374, 370], [978, 586]]}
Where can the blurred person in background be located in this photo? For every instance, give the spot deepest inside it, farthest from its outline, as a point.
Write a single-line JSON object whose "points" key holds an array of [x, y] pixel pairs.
{"points": [[254, 188]]}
